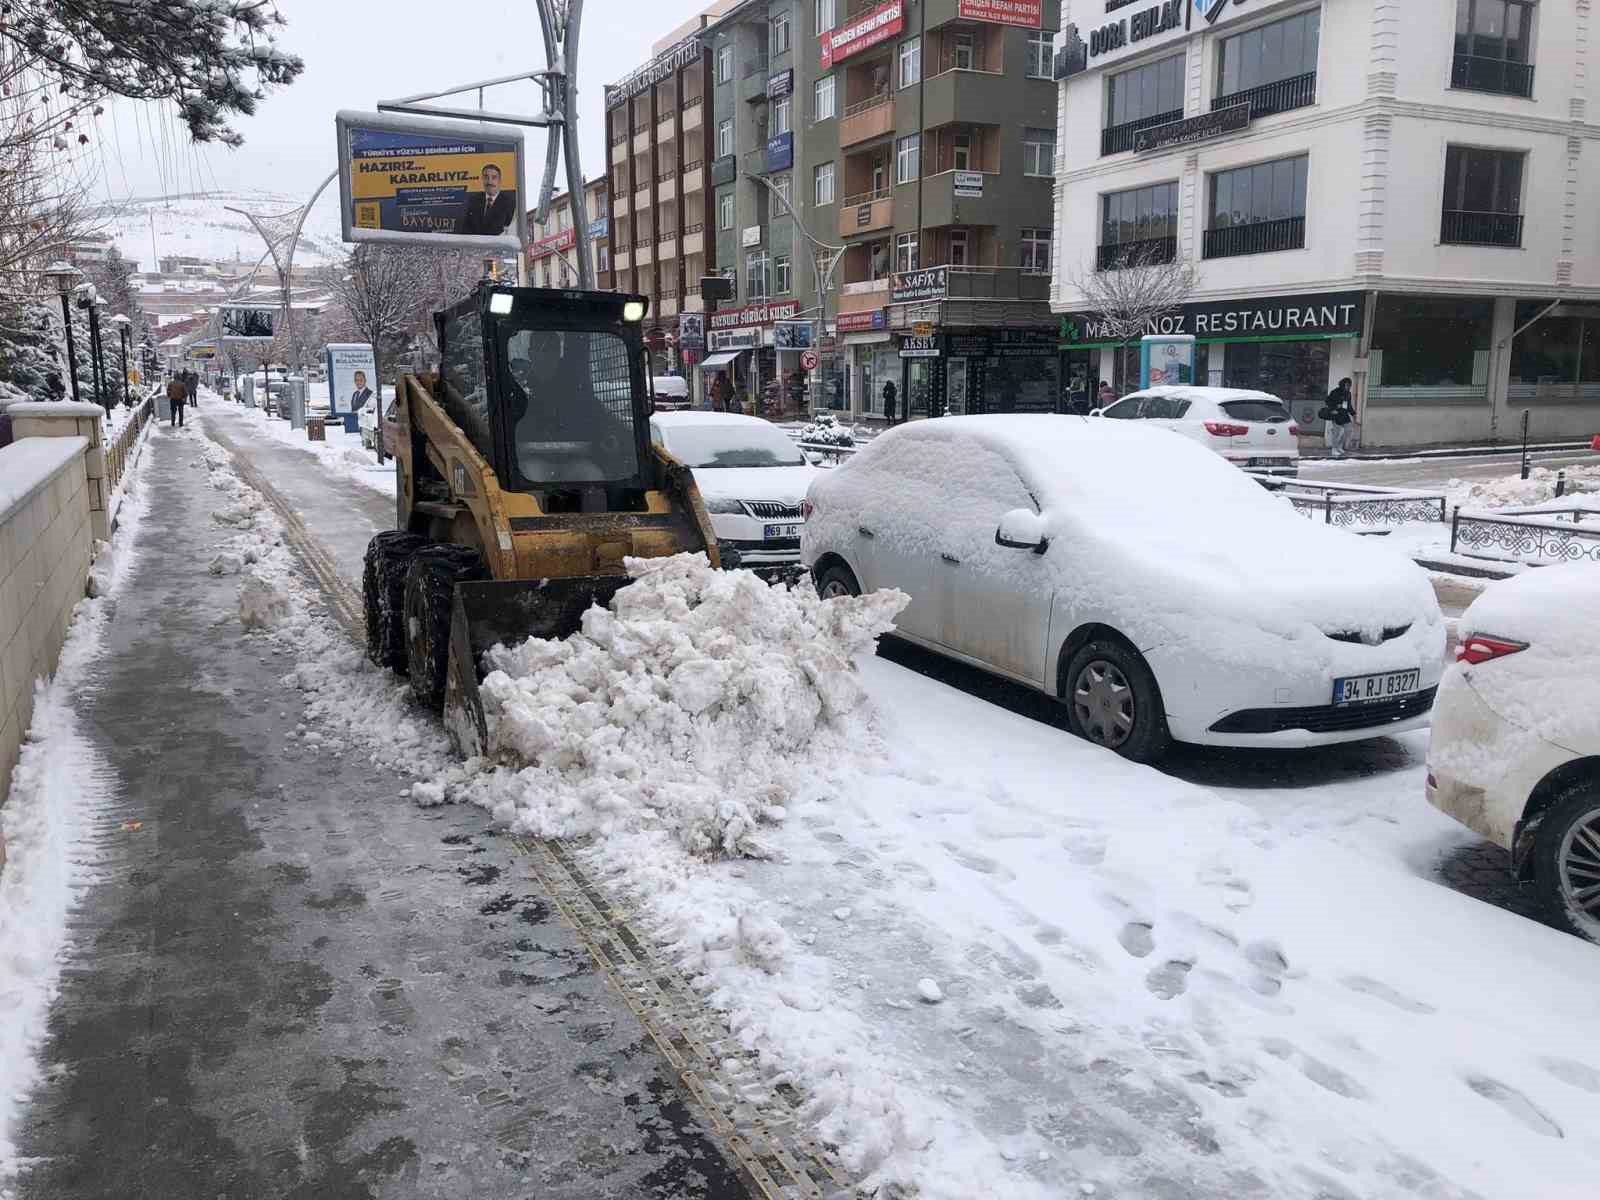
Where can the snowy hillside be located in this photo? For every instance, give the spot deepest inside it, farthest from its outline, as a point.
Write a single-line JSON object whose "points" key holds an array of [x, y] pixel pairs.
{"points": [[199, 225]]}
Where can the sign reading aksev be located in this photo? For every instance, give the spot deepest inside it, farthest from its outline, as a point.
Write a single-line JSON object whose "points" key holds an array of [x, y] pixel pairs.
{"points": [[449, 183], [1028, 14], [877, 26]]}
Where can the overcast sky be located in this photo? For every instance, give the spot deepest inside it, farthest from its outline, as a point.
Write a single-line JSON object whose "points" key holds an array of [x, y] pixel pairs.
{"points": [[359, 51]]}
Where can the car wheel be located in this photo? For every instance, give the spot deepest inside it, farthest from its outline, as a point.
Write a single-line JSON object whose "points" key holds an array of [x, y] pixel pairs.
{"points": [[383, 581], [837, 581], [430, 587], [1566, 865], [1113, 701]]}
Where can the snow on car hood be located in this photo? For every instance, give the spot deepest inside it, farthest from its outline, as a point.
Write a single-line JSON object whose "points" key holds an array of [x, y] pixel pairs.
{"points": [[785, 485], [1552, 688]]}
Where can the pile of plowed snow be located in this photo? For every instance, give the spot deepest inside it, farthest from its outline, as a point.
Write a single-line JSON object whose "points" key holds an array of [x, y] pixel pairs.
{"points": [[1507, 491], [696, 703]]}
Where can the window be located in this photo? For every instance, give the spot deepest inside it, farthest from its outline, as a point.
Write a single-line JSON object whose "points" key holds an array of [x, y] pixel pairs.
{"points": [[908, 158], [1431, 341], [1139, 224], [1039, 151], [782, 115], [725, 211], [965, 52], [822, 108], [1140, 98], [1271, 411], [781, 184], [780, 33], [1036, 251], [725, 64], [1493, 40], [1258, 209], [755, 275], [1554, 350], [1272, 67], [1482, 197], [822, 180], [961, 152], [577, 391], [910, 61], [465, 397], [1039, 50], [827, 15], [905, 252], [725, 138], [605, 257], [781, 271], [960, 248]]}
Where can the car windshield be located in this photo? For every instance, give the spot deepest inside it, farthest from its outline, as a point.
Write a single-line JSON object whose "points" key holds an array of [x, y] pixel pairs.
{"points": [[571, 404], [1263, 409], [732, 445]]}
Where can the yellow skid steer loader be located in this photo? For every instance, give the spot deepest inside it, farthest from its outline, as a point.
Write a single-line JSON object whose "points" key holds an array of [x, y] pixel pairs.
{"points": [[526, 475]]}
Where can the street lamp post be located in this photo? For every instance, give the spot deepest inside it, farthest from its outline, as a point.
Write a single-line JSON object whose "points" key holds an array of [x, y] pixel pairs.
{"points": [[65, 276], [91, 301], [122, 321]]}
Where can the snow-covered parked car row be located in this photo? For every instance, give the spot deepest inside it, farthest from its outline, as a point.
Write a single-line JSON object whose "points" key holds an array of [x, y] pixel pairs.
{"points": [[1159, 593]]}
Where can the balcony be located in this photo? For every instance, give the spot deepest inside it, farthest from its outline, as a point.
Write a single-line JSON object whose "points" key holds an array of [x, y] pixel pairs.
{"points": [[1473, 73], [693, 303], [622, 203], [667, 247], [694, 240], [1145, 252], [863, 295], [1460, 227], [867, 119], [641, 140], [1276, 97], [995, 283], [641, 199], [694, 113], [1256, 237], [866, 213], [754, 85], [694, 178], [644, 253], [1114, 139], [621, 260], [1003, 197], [666, 306], [667, 127], [619, 151], [959, 95], [667, 185]]}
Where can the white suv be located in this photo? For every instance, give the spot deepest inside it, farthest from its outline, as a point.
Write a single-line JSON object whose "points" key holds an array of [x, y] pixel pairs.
{"points": [[1249, 429]]}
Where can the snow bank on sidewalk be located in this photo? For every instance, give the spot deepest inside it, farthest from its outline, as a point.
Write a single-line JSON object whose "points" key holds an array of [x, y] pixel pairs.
{"points": [[1511, 490]]}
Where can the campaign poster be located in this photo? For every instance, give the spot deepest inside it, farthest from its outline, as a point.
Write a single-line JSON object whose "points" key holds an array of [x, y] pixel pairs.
{"points": [[434, 182], [352, 378]]}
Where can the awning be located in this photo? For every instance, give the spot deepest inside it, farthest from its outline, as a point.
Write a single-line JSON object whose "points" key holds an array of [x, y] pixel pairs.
{"points": [[715, 362]]}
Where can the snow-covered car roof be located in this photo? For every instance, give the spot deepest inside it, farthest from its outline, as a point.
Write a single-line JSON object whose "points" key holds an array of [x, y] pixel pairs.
{"points": [[668, 420], [1216, 395]]}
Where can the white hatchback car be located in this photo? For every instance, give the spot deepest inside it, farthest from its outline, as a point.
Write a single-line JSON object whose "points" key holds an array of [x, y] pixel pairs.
{"points": [[1249, 429], [1156, 591], [1515, 754], [751, 476]]}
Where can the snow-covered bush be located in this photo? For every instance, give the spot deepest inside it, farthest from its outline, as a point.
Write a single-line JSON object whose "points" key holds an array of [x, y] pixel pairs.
{"points": [[826, 431]]}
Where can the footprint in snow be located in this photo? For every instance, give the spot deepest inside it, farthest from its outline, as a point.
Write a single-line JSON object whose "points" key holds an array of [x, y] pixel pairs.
{"points": [[1237, 894], [1086, 849], [1137, 939], [1379, 990], [1271, 965], [915, 874], [1518, 1106], [979, 863], [1578, 1074], [1170, 980]]}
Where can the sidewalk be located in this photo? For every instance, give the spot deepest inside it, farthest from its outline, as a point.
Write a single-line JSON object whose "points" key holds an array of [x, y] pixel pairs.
{"points": [[287, 980]]}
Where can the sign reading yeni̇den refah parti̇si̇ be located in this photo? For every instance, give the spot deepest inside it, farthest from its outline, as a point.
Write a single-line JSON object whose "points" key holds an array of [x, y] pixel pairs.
{"points": [[443, 183]]}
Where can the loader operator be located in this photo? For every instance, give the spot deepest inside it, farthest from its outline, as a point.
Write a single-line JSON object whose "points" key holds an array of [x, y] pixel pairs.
{"points": [[564, 432]]}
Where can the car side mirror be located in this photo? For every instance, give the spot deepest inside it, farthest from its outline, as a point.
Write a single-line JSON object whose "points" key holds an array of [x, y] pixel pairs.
{"points": [[1022, 529], [1097, 412]]}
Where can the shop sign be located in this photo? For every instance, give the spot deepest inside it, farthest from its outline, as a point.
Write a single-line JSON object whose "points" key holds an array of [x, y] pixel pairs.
{"points": [[691, 330], [862, 322], [828, 343], [968, 185], [922, 329], [781, 84], [654, 71], [600, 227], [1310, 316], [1196, 129], [780, 151], [724, 169], [967, 345], [906, 286], [1027, 14], [754, 314], [733, 339], [541, 247], [870, 30], [1022, 343], [794, 335], [919, 347], [1151, 22], [750, 236]]}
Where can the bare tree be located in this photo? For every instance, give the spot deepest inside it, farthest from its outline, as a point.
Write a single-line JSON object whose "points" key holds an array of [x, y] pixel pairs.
{"points": [[377, 290], [1136, 291]]}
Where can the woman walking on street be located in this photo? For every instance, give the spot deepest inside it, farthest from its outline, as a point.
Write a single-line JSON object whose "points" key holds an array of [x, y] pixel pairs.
{"points": [[1338, 413], [888, 401]]}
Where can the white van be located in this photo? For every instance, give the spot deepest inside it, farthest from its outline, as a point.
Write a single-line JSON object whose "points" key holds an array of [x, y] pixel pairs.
{"points": [[672, 392]]}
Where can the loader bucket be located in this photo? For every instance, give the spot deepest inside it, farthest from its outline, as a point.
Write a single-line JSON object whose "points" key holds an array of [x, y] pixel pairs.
{"points": [[482, 614]]}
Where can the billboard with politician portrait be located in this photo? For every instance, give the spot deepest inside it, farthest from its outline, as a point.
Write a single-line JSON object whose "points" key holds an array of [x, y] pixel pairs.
{"points": [[455, 184]]}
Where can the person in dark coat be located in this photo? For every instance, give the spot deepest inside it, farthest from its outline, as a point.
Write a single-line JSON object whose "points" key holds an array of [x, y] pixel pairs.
{"points": [[490, 211], [191, 383], [888, 401], [1338, 413], [177, 396]]}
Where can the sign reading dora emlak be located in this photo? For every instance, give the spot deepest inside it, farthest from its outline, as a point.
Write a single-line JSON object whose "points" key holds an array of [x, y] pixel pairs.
{"points": [[435, 182]]}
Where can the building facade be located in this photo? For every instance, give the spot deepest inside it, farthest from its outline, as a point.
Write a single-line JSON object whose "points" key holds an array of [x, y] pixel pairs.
{"points": [[1397, 192], [553, 241]]}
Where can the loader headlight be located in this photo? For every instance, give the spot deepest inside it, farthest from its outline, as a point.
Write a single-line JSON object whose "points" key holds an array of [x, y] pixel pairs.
{"points": [[500, 304], [633, 310]]}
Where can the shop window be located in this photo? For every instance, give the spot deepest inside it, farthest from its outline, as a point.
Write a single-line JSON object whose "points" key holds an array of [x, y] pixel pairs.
{"points": [[1482, 197], [822, 108], [1039, 53], [1138, 226], [1141, 99], [1430, 342], [1272, 68], [910, 61], [905, 252], [1258, 209], [1038, 151], [908, 158], [1556, 350], [1493, 43], [1036, 251]]}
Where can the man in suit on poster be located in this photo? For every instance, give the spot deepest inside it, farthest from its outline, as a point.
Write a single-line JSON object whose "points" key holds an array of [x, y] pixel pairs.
{"points": [[490, 211], [361, 394]]}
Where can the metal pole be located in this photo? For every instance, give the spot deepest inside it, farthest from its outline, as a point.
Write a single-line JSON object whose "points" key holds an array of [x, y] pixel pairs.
{"points": [[124, 330], [99, 372], [1525, 414], [72, 350]]}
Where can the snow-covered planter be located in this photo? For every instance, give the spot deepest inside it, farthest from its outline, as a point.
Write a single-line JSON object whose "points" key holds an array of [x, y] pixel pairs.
{"points": [[826, 431]]}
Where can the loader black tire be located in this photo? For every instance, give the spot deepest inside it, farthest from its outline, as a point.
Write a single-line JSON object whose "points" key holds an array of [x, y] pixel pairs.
{"points": [[383, 589], [430, 583]]}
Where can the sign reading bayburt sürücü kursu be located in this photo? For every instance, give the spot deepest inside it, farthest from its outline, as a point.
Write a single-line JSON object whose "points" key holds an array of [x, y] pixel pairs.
{"points": [[1307, 317]]}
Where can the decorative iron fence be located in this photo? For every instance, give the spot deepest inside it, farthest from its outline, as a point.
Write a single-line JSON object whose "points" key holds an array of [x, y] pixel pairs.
{"points": [[1117, 138], [1548, 535], [1462, 228], [1349, 505], [1281, 95], [1474, 73], [1255, 237], [1114, 256], [120, 452]]}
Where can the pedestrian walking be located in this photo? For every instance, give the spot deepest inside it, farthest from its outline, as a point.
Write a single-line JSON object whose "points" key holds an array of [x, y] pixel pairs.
{"points": [[177, 396], [888, 401], [1105, 397], [1337, 415], [191, 382], [719, 392]]}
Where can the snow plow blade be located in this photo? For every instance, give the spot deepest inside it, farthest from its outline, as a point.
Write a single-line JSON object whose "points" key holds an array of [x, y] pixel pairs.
{"points": [[483, 614]]}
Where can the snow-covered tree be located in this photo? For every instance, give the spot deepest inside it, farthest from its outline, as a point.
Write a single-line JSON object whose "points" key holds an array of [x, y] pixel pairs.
{"points": [[30, 368], [1136, 291], [113, 275]]}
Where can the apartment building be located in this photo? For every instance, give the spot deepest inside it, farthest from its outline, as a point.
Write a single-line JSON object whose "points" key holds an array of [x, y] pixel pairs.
{"points": [[1398, 192], [553, 242]]}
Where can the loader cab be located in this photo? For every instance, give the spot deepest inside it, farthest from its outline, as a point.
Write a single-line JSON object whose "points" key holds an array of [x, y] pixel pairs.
{"points": [[549, 385]]}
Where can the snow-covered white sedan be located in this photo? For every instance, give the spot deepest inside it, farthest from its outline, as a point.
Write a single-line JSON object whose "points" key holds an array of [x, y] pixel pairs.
{"points": [[1515, 754], [1249, 429], [1156, 591], [751, 476]]}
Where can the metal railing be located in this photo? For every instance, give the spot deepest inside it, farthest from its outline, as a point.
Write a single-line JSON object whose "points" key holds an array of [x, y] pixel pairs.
{"points": [[1141, 252], [120, 451], [1114, 139], [1474, 73], [1255, 237], [1350, 504], [1465, 228], [882, 193], [692, 101], [1280, 95], [1522, 536], [871, 102]]}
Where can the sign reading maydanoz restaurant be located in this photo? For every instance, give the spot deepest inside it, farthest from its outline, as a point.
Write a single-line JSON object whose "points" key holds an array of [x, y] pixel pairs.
{"points": [[1311, 316], [1195, 129]]}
